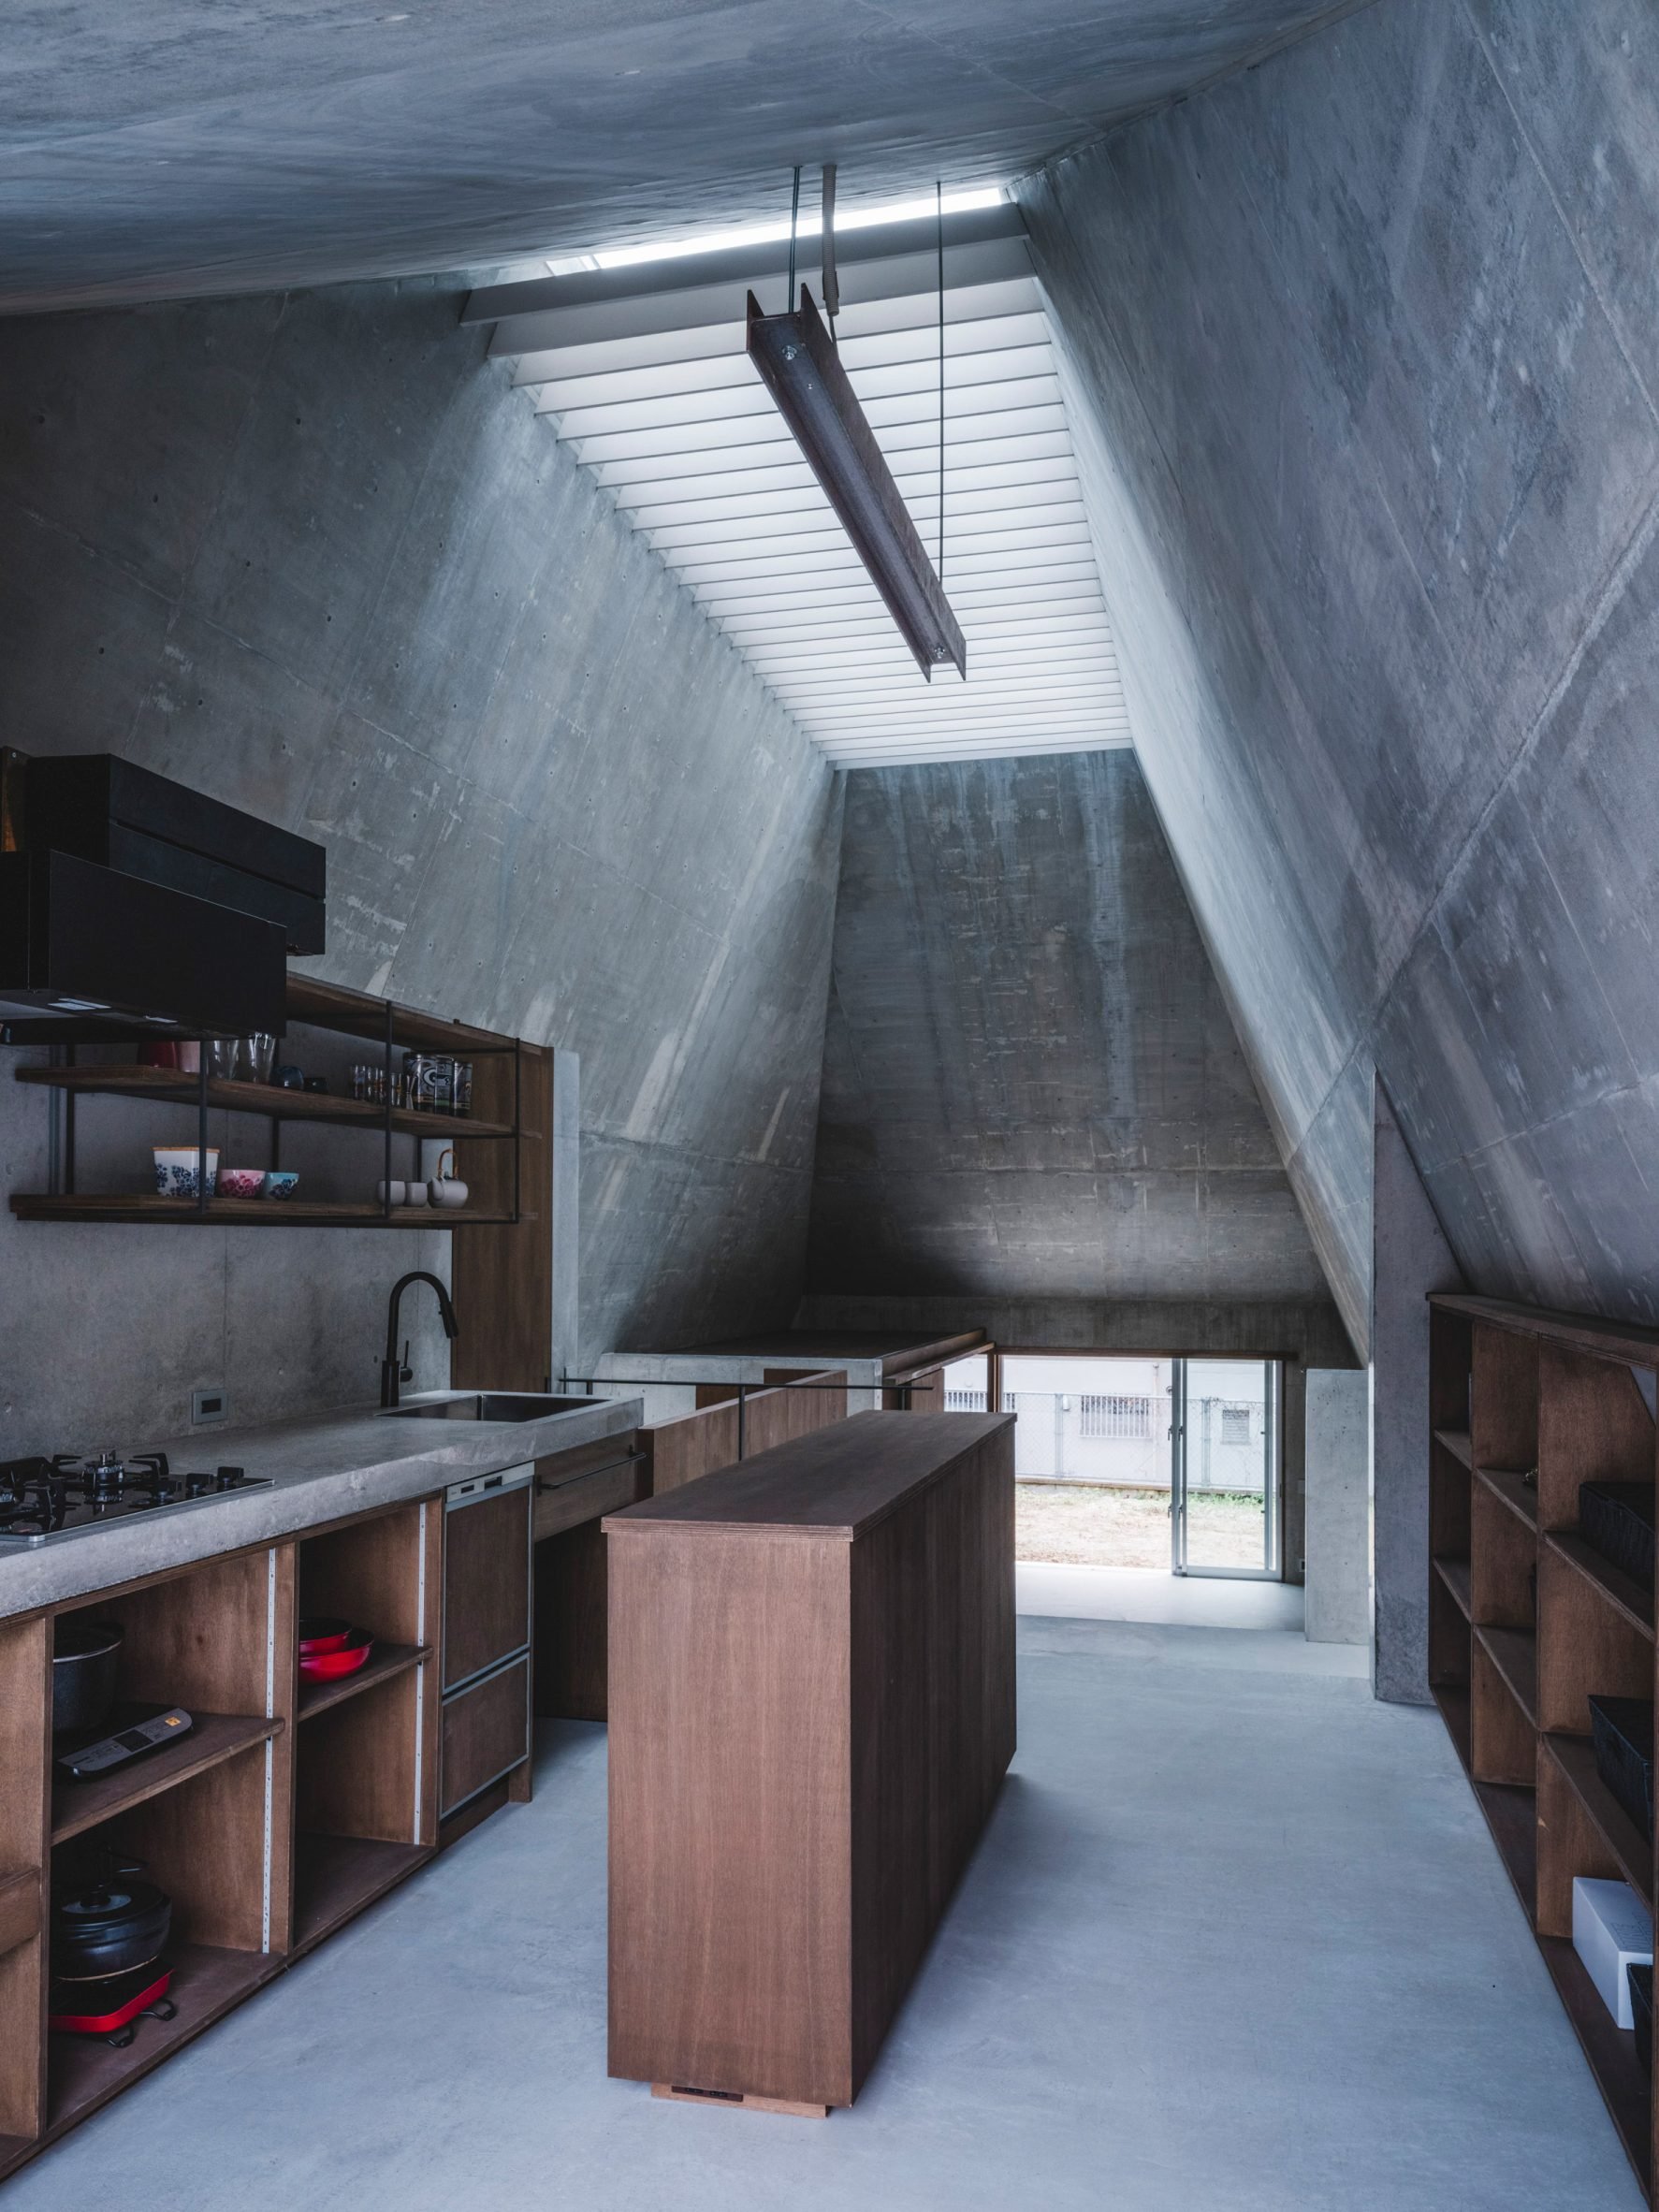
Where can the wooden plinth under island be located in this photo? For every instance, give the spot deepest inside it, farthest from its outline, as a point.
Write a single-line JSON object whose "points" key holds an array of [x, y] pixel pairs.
{"points": [[811, 1712]]}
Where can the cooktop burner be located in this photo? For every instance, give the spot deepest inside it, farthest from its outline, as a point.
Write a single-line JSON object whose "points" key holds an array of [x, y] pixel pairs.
{"points": [[49, 1497]]}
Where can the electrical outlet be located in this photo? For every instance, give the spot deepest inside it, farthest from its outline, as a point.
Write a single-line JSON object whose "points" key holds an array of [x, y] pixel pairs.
{"points": [[207, 1408]]}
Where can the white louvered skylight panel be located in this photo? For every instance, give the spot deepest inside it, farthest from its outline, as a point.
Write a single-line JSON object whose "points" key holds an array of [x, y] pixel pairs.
{"points": [[679, 428]]}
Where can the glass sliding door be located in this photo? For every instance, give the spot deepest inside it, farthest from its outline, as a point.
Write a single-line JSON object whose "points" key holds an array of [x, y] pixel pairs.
{"points": [[1224, 1442]]}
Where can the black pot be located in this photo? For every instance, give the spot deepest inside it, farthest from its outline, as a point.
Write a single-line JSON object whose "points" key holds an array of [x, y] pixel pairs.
{"points": [[85, 1655], [108, 1927]]}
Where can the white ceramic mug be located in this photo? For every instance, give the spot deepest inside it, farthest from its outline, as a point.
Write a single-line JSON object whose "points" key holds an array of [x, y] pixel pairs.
{"points": [[396, 1190]]}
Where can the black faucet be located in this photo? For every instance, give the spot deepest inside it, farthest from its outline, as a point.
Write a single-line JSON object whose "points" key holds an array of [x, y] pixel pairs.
{"points": [[393, 1369]]}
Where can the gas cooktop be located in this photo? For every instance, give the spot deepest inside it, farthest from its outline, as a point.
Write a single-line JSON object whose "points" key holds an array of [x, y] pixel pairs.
{"points": [[40, 1498]]}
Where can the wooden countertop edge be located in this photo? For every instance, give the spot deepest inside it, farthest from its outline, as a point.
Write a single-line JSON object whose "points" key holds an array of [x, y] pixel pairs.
{"points": [[649, 1513]]}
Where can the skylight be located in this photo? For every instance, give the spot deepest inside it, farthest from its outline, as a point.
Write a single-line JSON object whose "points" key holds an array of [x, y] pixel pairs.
{"points": [[758, 233]]}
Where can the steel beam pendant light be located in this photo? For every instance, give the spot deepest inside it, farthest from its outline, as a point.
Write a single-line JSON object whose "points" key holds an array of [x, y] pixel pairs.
{"points": [[798, 363]]}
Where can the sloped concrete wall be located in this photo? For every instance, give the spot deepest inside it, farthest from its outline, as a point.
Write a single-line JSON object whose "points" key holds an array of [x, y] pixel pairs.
{"points": [[310, 554], [1361, 347], [1033, 1097]]}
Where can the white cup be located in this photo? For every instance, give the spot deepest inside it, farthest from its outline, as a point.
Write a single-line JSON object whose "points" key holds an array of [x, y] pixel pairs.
{"points": [[395, 1191]]}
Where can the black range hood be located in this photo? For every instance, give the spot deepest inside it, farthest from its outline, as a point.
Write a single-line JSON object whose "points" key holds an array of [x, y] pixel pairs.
{"points": [[133, 908], [87, 952], [125, 818]]}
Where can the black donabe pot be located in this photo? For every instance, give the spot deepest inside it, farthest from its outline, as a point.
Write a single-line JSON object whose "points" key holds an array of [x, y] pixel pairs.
{"points": [[109, 1928], [85, 1655]]}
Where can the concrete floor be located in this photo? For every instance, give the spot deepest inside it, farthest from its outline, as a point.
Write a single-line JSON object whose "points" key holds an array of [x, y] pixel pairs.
{"points": [[1235, 1941], [1060, 1589]]}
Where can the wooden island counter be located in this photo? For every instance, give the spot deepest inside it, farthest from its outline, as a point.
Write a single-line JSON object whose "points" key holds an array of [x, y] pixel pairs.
{"points": [[811, 1712]]}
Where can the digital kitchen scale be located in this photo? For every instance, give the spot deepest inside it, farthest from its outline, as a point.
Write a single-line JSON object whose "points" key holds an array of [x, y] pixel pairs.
{"points": [[91, 1762]]}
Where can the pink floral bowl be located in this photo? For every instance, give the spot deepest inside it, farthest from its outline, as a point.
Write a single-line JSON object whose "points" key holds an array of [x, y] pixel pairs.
{"points": [[240, 1183]]}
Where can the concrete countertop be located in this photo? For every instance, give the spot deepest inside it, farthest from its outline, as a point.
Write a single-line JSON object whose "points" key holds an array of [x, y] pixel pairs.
{"points": [[322, 1467]]}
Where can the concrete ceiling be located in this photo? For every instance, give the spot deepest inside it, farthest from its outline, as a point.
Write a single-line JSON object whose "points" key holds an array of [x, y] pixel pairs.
{"points": [[200, 146]]}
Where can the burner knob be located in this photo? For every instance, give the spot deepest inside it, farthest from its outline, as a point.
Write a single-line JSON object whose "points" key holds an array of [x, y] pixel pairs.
{"points": [[228, 1478], [198, 1486]]}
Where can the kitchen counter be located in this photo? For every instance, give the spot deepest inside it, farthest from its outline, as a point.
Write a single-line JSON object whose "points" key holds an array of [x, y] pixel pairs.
{"points": [[322, 1467]]}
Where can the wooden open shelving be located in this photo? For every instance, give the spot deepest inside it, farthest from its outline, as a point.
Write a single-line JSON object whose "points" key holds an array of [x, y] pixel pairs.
{"points": [[207, 1980], [1527, 1622], [1514, 1652], [384, 1661], [77, 1806], [336, 1877], [165, 1086], [1511, 1490], [1575, 1757], [1454, 1573], [265, 1835], [146, 1208], [507, 1062]]}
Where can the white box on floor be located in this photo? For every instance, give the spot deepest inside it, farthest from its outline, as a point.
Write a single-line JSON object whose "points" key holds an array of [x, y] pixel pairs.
{"points": [[1611, 1929]]}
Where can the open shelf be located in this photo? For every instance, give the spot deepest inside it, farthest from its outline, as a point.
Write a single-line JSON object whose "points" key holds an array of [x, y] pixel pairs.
{"points": [[1453, 1700], [1575, 1757], [1455, 1574], [1521, 1497], [225, 1212], [1628, 1597], [354, 1013], [85, 2071], [495, 1172], [386, 1661], [170, 1086], [1541, 1621], [1610, 2050], [1514, 1652], [1511, 1814], [336, 1876], [77, 1806]]}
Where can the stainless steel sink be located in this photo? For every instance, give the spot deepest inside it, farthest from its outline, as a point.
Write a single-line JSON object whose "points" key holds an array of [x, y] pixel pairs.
{"points": [[492, 1405]]}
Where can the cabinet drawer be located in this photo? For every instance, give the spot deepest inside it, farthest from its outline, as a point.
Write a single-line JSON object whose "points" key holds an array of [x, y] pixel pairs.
{"points": [[565, 1501], [485, 1582], [486, 1731]]}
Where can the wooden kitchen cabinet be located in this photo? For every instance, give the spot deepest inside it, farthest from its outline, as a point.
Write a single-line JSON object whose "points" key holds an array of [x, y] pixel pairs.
{"points": [[811, 1713], [573, 1492]]}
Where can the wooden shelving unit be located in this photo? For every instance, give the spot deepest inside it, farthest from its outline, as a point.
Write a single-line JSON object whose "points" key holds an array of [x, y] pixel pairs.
{"points": [[1527, 1622], [215, 1735], [384, 1661], [146, 1209], [383, 1026], [287, 1808], [162, 1086], [335, 1877], [365, 1758], [207, 1980]]}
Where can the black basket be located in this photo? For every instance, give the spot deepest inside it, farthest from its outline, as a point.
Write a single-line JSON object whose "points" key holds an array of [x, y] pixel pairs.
{"points": [[1641, 2005], [1623, 1728], [1617, 1518]]}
